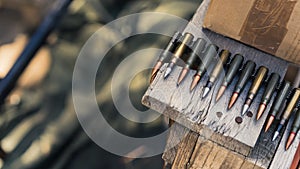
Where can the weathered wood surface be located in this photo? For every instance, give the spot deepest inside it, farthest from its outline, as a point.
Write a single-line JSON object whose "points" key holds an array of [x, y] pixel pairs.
{"points": [[176, 134], [195, 151], [200, 115], [189, 110], [196, 111], [282, 157], [200, 152]]}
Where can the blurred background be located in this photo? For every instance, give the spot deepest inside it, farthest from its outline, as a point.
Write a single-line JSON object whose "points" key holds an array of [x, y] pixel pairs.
{"points": [[38, 124]]}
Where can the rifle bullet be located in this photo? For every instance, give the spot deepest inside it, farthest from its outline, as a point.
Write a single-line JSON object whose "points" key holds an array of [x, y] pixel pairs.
{"points": [[278, 103], [198, 48], [294, 131], [272, 84], [287, 113], [258, 81], [169, 70], [210, 52], [232, 70], [224, 56], [164, 55], [187, 39], [244, 77]]}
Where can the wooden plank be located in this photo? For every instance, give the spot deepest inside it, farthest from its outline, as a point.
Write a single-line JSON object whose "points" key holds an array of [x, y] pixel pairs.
{"points": [[185, 150], [231, 144], [201, 153], [283, 158], [232, 161], [176, 132], [263, 152], [219, 155], [260, 156], [208, 155], [191, 110], [251, 54], [196, 114], [203, 116]]}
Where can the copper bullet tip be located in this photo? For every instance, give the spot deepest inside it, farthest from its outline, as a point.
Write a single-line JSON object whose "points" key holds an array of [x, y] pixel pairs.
{"points": [[270, 121], [195, 82], [290, 140], [182, 75], [153, 76], [233, 100], [220, 92], [260, 111], [155, 71], [156, 68]]}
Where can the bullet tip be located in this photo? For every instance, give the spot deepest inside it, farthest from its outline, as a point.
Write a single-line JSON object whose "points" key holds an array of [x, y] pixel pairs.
{"points": [[167, 73], [275, 135], [233, 100], [195, 82], [220, 92], [290, 140], [156, 68], [182, 75], [153, 77], [270, 121], [206, 91], [245, 109], [260, 111]]}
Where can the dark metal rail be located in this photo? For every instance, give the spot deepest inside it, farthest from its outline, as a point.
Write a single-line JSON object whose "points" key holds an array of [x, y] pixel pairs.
{"points": [[36, 41]]}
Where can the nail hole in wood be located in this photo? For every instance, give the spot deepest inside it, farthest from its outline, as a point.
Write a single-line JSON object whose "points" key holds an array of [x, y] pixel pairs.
{"points": [[219, 114], [238, 120], [249, 114]]}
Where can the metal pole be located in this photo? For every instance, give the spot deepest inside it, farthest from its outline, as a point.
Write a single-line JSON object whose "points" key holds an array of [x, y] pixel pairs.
{"points": [[36, 41]]}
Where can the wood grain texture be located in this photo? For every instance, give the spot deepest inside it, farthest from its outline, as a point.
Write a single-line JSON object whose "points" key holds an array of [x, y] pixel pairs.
{"points": [[192, 110], [186, 148], [176, 133], [195, 152], [245, 145], [283, 158]]}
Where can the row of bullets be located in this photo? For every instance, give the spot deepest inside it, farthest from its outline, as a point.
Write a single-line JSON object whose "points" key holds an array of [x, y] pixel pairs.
{"points": [[286, 97]]}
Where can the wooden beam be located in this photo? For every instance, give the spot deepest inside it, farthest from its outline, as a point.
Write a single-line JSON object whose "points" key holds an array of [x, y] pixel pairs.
{"points": [[241, 145], [283, 158]]}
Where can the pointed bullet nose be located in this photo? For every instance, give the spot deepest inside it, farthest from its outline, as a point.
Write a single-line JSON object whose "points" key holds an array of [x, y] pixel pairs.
{"points": [[182, 75], [275, 136], [220, 93], [156, 68], [195, 82], [245, 109], [205, 93], [233, 100], [290, 141], [270, 121], [260, 112], [169, 70], [167, 73], [155, 71], [153, 76]]}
